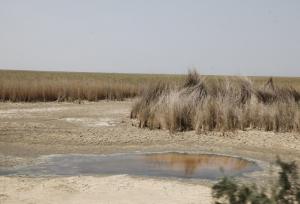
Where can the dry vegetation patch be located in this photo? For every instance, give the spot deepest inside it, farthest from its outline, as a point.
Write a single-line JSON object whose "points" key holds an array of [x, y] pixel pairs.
{"points": [[32, 86], [222, 104]]}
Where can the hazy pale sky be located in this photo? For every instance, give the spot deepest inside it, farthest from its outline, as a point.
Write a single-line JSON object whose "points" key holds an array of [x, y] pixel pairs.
{"points": [[244, 37]]}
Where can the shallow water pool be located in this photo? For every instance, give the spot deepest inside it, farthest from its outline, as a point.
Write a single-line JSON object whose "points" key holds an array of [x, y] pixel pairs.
{"points": [[170, 164]]}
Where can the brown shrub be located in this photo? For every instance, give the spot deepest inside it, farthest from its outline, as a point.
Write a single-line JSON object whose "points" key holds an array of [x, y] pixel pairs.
{"points": [[192, 79], [271, 93], [142, 108], [222, 105]]}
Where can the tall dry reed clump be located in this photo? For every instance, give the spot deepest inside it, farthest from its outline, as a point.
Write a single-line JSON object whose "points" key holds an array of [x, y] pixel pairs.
{"points": [[204, 104]]}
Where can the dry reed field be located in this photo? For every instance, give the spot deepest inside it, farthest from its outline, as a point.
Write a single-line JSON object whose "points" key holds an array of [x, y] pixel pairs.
{"points": [[34, 86], [220, 103], [31, 86]]}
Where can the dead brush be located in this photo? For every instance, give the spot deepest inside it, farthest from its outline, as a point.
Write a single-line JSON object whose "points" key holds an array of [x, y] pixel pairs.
{"points": [[219, 105], [192, 79], [150, 96], [271, 93], [178, 112]]}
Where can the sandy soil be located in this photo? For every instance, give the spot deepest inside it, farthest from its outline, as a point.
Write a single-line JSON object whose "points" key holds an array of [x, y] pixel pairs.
{"points": [[110, 189], [29, 130]]}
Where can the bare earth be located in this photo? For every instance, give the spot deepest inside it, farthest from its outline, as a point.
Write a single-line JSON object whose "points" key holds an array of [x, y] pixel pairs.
{"points": [[29, 130], [110, 189]]}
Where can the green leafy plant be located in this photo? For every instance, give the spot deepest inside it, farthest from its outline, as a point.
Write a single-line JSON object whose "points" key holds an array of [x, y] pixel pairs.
{"points": [[286, 190]]}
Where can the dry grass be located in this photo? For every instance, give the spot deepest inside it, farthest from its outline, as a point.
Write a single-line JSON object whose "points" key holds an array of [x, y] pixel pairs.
{"points": [[222, 104], [30, 86]]}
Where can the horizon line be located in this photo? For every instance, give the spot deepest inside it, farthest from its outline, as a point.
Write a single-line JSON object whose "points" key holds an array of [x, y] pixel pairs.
{"points": [[145, 73]]}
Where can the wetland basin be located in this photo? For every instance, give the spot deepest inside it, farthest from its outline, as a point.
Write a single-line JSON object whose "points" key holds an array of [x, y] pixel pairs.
{"points": [[167, 164]]}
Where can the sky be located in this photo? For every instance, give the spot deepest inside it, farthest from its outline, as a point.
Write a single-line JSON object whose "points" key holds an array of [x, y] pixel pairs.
{"points": [[232, 37]]}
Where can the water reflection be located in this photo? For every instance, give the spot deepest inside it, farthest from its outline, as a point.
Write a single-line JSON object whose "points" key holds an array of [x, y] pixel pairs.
{"points": [[190, 163]]}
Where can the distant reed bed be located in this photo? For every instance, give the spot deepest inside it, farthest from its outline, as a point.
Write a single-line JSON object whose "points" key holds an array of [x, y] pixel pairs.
{"points": [[34, 86], [219, 103], [31, 86]]}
